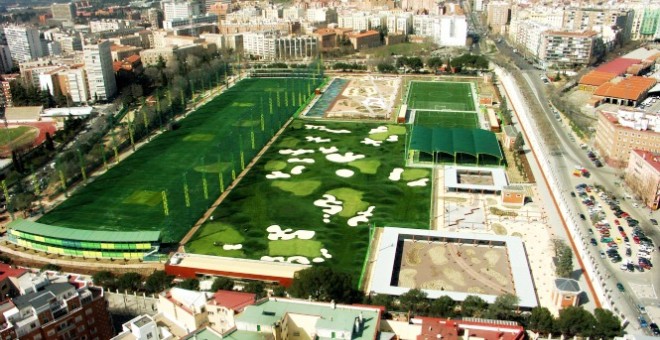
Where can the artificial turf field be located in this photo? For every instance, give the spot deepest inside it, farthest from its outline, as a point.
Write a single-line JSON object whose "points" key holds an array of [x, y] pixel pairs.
{"points": [[190, 164], [257, 202], [17, 136], [447, 119], [437, 95]]}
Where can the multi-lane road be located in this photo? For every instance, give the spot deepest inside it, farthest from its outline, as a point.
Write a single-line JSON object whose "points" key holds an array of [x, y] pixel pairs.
{"points": [[641, 288]]}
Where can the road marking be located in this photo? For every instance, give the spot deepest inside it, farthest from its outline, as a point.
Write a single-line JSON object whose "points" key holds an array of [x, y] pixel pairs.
{"points": [[643, 291]]}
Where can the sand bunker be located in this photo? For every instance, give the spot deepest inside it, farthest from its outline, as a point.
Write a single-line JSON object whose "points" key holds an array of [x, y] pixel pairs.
{"points": [[325, 253], [369, 141], [317, 139], [393, 138], [299, 259], [277, 175], [345, 173], [326, 151], [395, 175], [272, 259], [362, 217], [297, 170], [346, 158], [379, 129], [232, 246], [276, 233], [295, 152], [323, 128], [318, 260], [418, 183], [301, 160], [331, 204]]}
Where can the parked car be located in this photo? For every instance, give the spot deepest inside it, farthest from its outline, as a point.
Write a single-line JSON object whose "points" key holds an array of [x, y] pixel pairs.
{"points": [[654, 329], [584, 218], [654, 221], [620, 287], [642, 322], [641, 309]]}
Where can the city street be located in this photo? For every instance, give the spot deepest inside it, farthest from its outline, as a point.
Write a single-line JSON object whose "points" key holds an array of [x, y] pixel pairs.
{"points": [[640, 287]]}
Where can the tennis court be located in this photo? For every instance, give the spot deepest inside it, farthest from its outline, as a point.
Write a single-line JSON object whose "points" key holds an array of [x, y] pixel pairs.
{"points": [[447, 119], [452, 96]]}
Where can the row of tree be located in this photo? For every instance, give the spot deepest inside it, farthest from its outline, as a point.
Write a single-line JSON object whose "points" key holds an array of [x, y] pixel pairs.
{"points": [[464, 63]]}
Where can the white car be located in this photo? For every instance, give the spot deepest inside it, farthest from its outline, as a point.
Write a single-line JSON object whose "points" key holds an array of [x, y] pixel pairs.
{"points": [[624, 266], [644, 255]]}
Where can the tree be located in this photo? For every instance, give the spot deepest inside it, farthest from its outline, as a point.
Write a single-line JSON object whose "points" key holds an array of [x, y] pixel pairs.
{"points": [[414, 301], [222, 283], [279, 291], [520, 142], [189, 284], [158, 281], [473, 306], [385, 68], [50, 266], [323, 284], [415, 63], [442, 307], [503, 308], [608, 325], [575, 321], [255, 287], [48, 143], [381, 300], [564, 255], [434, 62], [104, 279], [541, 321], [131, 282]]}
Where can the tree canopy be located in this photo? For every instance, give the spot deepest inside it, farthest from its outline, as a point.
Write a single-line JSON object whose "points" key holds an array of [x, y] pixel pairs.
{"points": [[158, 281], [323, 284], [222, 283]]}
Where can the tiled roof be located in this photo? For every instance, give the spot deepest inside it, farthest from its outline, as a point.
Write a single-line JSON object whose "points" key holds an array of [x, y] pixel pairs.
{"points": [[233, 300], [596, 78], [618, 66], [630, 88]]}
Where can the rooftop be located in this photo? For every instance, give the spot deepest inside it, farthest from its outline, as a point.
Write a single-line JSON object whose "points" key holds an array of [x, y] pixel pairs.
{"points": [[62, 233], [631, 88], [364, 34], [642, 53], [596, 78], [635, 120], [235, 265], [618, 66], [23, 112], [233, 300], [437, 328], [8, 271], [41, 298], [571, 34], [341, 318], [652, 159], [567, 285], [510, 131]]}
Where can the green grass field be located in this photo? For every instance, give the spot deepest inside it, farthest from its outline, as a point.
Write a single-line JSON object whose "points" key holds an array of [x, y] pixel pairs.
{"points": [[190, 164], [452, 96], [257, 202], [19, 135], [447, 119]]}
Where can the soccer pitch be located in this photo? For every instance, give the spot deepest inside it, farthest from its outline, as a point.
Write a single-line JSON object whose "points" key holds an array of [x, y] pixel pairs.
{"points": [[447, 119], [451, 96], [314, 195], [168, 183]]}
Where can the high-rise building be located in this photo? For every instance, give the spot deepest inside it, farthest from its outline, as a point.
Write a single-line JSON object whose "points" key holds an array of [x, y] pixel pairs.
{"points": [[5, 59], [643, 177], [155, 17], [174, 9], [24, 43], [498, 16], [63, 12], [100, 74], [58, 311]]}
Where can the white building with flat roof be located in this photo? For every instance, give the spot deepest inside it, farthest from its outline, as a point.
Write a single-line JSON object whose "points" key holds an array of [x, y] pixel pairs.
{"points": [[24, 43], [100, 74]]}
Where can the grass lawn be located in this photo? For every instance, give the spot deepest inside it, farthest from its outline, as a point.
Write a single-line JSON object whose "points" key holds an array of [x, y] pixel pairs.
{"points": [[437, 95], [447, 119], [16, 136], [257, 202], [190, 165], [406, 49]]}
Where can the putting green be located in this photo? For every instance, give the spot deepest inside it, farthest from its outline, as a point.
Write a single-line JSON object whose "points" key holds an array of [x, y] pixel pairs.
{"points": [[295, 247], [198, 137], [396, 129], [410, 174], [352, 201], [298, 188], [366, 166], [288, 142], [144, 197], [275, 165], [216, 235], [213, 167]]}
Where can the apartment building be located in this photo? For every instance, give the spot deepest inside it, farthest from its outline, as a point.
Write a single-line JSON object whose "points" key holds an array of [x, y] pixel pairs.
{"points": [[619, 132], [63, 12], [100, 74], [5, 89], [444, 30], [564, 48], [498, 16], [272, 46], [643, 177], [62, 310], [367, 39], [24, 43], [176, 9], [105, 25]]}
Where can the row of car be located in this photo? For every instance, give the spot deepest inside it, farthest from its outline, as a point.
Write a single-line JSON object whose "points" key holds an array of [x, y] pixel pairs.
{"points": [[594, 159]]}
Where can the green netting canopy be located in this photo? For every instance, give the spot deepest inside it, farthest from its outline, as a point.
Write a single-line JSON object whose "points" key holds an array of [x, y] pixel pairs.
{"points": [[456, 145], [63, 233]]}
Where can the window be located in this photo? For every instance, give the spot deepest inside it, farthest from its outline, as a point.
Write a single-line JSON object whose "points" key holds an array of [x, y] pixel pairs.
{"points": [[149, 335], [51, 332], [90, 321], [37, 337], [88, 311], [78, 318]]}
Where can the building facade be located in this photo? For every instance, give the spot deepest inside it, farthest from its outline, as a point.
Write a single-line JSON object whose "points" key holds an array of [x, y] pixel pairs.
{"points": [[498, 16], [618, 133], [564, 48], [63, 12], [100, 74], [643, 177], [24, 43], [270, 46]]}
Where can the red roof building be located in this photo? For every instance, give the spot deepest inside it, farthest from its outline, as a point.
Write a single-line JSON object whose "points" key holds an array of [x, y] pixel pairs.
{"points": [[448, 329], [9, 281], [618, 66], [233, 300]]}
